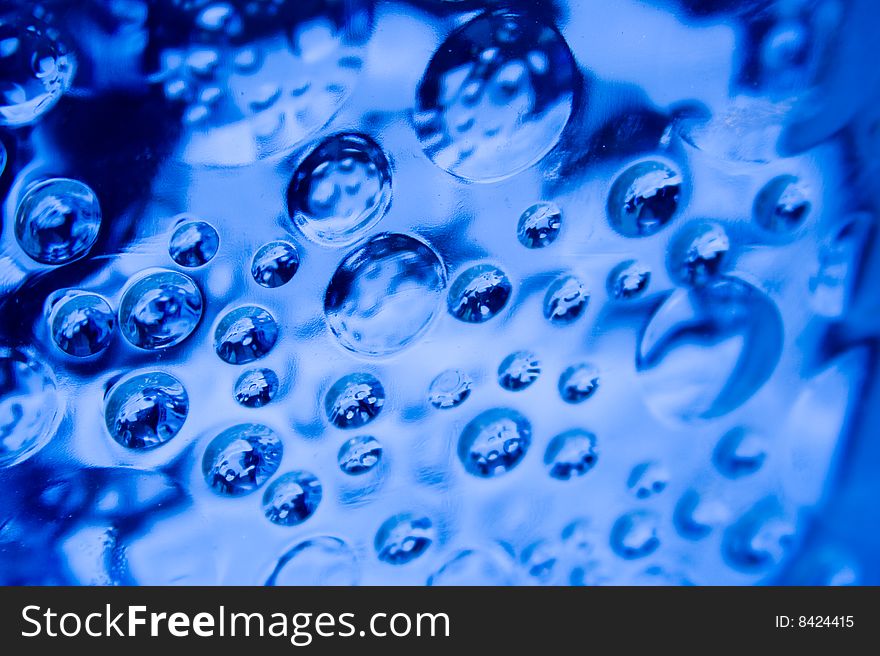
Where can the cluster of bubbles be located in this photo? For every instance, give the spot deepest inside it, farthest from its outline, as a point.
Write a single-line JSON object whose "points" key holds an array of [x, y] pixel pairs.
{"points": [[228, 66]]}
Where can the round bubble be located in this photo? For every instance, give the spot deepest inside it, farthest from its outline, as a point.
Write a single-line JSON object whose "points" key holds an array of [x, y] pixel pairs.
{"points": [[193, 244], [519, 370], [578, 383], [256, 387], [471, 567], [782, 205], [540, 560], [322, 560], [354, 400], [449, 389], [30, 405], [147, 410], [634, 535], [760, 539], [384, 294], [739, 452], [539, 225], [340, 190], [241, 459], [695, 516], [245, 334], [494, 442], [254, 79], [159, 309], [292, 498], [82, 324], [57, 221], [565, 301], [479, 293], [36, 68], [275, 264], [403, 538], [644, 198], [571, 454], [707, 350], [647, 479], [359, 455], [496, 96], [628, 280], [698, 253]]}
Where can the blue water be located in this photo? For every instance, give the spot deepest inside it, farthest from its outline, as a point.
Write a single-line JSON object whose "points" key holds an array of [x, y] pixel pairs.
{"points": [[426, 292]]}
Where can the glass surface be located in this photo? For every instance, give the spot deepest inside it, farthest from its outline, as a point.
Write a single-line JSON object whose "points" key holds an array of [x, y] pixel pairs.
{"points": [[428, 292]]}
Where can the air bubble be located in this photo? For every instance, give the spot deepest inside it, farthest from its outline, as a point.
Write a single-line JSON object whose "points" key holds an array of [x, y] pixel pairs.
{"points": [[539, 225], [275, 264], [354, 401], [245, 334], [36, 69], [403, 538], [292, 498], [30, 405], [696, 516], [647, 479], [578, 383], [449, 389], [384, 294], [57, 221], [698, 253], [565, 301], [484, 109], [82, 324], [241, 459], [644, 198], [518, 371], [159, 309], [634, 535], [322, 560], [740, 452], [359, 455], [782, 205], [479, 293], [571, 454], [707, 350], [193, 244], [146, 411], [340, 190], [494, 442], [256, 387], [628, 280], [760, 539]]}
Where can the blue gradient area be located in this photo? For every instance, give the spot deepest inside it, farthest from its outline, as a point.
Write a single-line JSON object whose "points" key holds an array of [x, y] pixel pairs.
{"points": [[338, 292]]}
